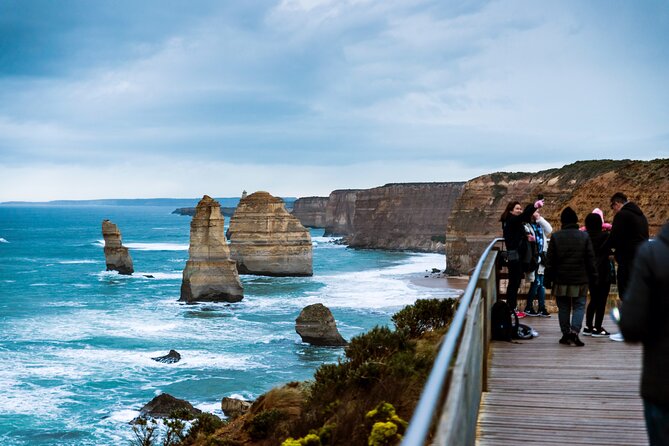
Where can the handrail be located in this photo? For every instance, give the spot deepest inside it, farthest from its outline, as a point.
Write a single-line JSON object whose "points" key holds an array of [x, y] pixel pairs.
{"points": [[421, 421]]}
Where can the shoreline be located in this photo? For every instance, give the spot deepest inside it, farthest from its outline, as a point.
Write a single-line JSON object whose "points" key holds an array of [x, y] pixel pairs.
{"points": [[439, 281]]}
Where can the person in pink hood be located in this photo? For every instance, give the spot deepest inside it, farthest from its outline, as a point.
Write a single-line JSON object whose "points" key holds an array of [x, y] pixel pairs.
{"points": [[605, 226]]}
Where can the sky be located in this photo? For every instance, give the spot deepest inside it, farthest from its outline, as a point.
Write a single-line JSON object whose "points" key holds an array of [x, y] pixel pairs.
{"points": [[167, 98]]}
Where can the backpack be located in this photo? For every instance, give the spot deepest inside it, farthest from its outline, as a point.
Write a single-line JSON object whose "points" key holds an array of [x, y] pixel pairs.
{"points": [[505, 325], [500, 321]]}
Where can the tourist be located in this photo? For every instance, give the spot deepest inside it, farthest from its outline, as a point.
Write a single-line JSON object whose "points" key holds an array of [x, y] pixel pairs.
{"points": [[570, 266], [599, 290], [630, 229], [645, 318], [541, 230], [512, 220]]}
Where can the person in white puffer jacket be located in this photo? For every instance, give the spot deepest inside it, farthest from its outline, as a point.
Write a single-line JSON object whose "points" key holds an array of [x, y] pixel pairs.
{"points": [[541, 229]]}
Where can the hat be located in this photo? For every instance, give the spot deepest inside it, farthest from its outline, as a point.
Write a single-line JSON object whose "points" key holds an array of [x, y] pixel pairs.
{"points": [[593, 222], [568, 216]]}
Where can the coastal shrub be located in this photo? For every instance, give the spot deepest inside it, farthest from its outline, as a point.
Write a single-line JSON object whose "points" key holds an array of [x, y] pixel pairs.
{"points": [[205, 424], [308, 440], [378, 343], [438, 238], [425, 315], [144, 431], [384, 434], [387, 428], [262, 424], [175, 432]]}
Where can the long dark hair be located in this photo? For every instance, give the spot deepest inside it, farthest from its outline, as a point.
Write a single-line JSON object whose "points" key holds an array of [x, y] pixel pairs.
{"points": [[507, 211]]}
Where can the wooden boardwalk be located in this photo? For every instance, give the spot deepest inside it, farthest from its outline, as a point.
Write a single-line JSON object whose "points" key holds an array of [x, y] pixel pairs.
{"points": [[544, 393]]}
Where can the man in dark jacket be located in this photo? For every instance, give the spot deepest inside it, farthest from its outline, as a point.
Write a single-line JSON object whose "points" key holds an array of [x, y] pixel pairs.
{"points": [[645, 318], [630, 229], [570, 266]]}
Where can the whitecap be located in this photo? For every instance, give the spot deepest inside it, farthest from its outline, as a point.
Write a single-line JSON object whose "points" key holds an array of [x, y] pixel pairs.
{"points": [[75, 262], [123, 415], [157, 246], [39, 284], [3, 240], [158, 276]]}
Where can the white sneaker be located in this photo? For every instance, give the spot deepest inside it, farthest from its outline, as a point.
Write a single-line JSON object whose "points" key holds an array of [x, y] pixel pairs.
{"points": [[618, 337]]}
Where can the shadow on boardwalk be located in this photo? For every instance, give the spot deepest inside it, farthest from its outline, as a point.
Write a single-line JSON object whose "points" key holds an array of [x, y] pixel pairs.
{"points": [[544, 393]]}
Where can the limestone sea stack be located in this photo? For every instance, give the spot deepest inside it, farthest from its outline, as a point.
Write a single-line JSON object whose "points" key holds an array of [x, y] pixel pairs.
{"points": [[210, 274], [117, 256], [316, 325], [266, 240]]}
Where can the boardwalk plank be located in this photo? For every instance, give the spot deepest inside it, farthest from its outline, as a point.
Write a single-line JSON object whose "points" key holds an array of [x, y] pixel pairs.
{"points": [[544, 393]]}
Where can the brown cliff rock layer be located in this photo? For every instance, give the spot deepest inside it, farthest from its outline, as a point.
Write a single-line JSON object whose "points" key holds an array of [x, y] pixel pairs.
{"points": [[266, 240], [583, 185], [117, 256], [339, 212], [316, 325], [310, 211], [408, 216], [210, 274]]}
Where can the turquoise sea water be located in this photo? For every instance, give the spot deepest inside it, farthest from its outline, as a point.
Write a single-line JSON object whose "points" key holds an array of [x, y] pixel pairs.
{"points": [[76, 342]]}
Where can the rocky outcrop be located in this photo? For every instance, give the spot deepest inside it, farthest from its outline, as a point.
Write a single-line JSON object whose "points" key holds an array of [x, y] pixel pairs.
{"points": [[316, 325], [339, 212], [210, 274], [409, 216], [226, 211], [266, 240], [310, 211], [233, 407], [584, 185], [164, 405], [171, 358], [117, 256]]}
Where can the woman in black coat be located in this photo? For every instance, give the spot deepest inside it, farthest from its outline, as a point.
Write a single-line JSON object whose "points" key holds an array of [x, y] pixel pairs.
{"points": [[512, 220], [570, 266], [599, 291]]}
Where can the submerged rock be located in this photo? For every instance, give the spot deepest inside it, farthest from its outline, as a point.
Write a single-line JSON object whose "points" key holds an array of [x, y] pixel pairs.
{"points": [[172, 357], [316, 325], [117, 256], [210, 274], [266, 240], [164, 405]]}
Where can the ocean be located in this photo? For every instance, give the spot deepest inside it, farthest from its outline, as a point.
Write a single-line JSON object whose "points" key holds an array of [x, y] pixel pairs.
{"points": [[76, 341]]}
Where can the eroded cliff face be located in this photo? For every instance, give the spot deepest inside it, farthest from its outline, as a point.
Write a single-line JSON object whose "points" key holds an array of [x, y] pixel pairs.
{"points": [[266, 240], [310, 211], [339, 212], [584, 185], [210, 274], [117, 257], [408, 216]]}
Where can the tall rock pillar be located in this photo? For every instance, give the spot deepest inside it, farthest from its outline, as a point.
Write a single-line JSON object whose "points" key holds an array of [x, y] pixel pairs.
{"points": [[210, 274], [117, 256]]}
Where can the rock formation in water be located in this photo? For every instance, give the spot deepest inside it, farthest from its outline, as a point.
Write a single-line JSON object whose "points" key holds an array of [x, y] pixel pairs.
{"points": [[164, 404], [316, 325], [171, 358], [339, 212], [266, 240], [233, 407], [408, 216], [210, 274], [117, 256], [310, 211], [583, 185]]}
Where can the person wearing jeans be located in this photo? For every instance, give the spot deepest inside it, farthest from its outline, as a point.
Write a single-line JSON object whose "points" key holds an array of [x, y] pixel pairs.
{"points": [[541, 229], [570, 266]]}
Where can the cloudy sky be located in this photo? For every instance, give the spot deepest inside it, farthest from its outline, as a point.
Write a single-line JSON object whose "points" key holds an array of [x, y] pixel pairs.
{"points": [[167, 98]]}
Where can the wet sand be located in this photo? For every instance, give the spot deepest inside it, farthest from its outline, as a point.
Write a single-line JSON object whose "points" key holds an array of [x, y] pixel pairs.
{"points": [[440, 281]]}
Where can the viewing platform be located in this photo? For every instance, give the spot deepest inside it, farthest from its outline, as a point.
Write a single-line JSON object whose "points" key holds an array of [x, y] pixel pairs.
{"points": [[531, 392]]}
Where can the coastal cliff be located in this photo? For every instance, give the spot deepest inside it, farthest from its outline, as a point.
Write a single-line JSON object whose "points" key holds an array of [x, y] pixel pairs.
{"points": [[266, 240], [311, 211], [583, 185], [339, 212], [210, 274], [408, 216], [117, 257]]}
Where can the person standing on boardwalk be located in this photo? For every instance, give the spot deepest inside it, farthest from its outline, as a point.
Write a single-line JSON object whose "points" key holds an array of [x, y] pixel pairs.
{"points": [[541, 229], [630, 229], [570, 267], [599, 290], [644, 317], [512, 220]]}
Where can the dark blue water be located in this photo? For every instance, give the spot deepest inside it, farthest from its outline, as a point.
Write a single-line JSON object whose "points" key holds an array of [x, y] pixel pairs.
{"points": [[76, 342]]}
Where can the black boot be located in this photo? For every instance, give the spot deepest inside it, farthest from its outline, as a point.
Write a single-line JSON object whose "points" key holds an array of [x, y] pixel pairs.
{"points": [[565, 340], [577, 342]]}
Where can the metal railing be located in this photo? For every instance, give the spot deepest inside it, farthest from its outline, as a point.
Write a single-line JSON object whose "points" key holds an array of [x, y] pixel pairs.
{"points": [[434, 393]]}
